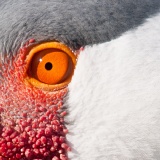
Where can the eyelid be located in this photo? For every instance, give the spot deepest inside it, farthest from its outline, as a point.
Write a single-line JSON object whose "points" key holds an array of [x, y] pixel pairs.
{"points": [[41, 47]]}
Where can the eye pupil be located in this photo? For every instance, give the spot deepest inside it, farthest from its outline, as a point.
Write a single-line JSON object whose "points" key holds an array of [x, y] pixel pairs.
{"points": [[48, 66]]}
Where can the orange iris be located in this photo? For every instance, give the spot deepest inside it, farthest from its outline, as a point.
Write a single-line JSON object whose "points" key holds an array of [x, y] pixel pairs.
{"points": [[50, 65]]}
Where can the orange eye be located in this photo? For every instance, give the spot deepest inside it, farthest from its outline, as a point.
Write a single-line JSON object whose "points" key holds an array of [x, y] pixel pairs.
{"points": [[50, 65]]}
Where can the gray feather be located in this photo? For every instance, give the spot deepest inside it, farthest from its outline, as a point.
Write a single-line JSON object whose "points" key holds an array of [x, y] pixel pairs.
{"points": [[75, 23]]}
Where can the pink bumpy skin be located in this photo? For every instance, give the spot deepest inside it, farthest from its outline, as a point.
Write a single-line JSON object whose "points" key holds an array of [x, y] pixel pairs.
{"points": [[31, 120]]}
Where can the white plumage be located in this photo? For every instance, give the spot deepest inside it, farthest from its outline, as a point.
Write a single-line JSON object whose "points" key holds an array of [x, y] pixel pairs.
{"points": [[114, 98]]}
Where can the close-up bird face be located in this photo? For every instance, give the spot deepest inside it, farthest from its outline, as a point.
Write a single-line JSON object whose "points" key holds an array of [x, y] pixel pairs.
{"points": [[79, 80], [32, 123]]}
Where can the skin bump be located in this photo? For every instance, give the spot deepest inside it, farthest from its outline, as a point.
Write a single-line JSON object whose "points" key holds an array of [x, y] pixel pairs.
{"points": [[29, 128]]}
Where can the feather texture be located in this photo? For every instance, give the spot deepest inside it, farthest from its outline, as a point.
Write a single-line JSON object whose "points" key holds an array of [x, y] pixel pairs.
{"points": [[114, 102]]}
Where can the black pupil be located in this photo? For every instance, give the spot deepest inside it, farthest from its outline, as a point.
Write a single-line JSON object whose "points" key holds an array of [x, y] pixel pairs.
{"points": [[48, 66]]}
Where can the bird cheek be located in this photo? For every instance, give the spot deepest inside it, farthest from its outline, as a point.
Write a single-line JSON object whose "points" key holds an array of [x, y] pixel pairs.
{"points": [[32, 120]]}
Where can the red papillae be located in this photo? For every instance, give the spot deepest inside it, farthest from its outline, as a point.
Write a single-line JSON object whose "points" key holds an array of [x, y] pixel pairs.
{"points": [[31, 120]]}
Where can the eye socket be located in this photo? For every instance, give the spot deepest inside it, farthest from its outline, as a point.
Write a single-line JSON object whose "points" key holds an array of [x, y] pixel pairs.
{"points": [[50, 65]]}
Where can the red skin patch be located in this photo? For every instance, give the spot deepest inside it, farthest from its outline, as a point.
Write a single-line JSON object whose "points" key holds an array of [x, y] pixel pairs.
{"points": [[31, 120]]}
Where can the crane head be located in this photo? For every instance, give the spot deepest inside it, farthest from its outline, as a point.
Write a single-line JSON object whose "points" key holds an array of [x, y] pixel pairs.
{"points": [[79, 80]]}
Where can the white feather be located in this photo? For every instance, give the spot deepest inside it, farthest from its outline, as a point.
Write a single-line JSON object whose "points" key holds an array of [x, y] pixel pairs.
{"points": [[114, 98]]}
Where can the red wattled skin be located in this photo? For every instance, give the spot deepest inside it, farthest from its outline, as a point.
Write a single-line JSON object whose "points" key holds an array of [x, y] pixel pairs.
{"points": [[31, 120]]}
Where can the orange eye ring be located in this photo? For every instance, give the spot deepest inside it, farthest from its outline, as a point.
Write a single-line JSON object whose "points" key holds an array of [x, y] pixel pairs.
{"points": [[50, 66]]}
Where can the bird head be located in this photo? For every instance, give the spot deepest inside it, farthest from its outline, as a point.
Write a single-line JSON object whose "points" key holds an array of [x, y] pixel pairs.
{"points": [[73, 77]]}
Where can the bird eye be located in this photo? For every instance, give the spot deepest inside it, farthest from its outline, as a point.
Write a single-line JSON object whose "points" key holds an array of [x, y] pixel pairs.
{"points": [[50, 65]]}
